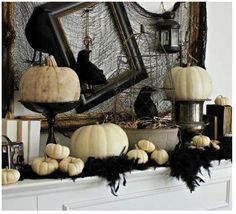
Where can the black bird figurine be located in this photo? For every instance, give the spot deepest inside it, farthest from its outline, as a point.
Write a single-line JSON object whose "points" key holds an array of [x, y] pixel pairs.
{"points": [[39, 34], [87, 71], [143, 105]]}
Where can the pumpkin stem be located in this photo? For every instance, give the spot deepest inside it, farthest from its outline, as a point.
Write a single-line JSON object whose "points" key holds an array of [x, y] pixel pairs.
{"points": [[50, 61]]}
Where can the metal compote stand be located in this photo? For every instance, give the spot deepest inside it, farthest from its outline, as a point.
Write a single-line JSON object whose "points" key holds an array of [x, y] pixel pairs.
{"points": [[50, 110], [189, 116]]}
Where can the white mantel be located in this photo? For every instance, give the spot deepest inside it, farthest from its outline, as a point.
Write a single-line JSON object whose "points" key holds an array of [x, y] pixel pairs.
{"points": [[143, 188]]}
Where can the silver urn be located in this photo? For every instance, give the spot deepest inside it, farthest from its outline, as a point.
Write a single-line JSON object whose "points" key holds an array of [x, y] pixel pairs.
{"points": [[189, 116]]}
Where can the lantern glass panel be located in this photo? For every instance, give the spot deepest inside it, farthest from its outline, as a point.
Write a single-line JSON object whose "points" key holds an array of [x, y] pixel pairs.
{"points": [[164, 37], [174, 37]]}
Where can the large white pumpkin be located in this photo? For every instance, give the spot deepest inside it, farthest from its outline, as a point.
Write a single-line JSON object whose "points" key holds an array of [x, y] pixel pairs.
{"points": [[49, 83], [190, 83], [98, 141]]}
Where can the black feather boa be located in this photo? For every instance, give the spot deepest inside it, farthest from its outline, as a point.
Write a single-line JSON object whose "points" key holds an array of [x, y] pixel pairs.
{"points": [[184, 164]]}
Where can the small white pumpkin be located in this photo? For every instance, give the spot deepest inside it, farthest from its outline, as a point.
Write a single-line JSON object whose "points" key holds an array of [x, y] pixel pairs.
{"points": [[49, 83], [160, 156], [200, 141], [98, 141], [72, 166], [138, 154], [10, 176], [44, 165], [215, 145], [222, 101], [190, 83], [56, 151], [146, 145]]}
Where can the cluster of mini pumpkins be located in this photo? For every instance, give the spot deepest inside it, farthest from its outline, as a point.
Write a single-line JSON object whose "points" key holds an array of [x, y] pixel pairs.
{"points": [[57, 156], [98, 141], [145, 147], [202, 141], [109, 139]]}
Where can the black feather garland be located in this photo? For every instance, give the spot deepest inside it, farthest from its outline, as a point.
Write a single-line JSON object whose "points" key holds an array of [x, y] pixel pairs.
{"points": [[112, 169], [184, 164]]}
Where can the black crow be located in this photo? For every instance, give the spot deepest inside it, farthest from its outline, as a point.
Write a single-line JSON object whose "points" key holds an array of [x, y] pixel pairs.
{"points": [[87, 71], [143, 105], [39, 34]]}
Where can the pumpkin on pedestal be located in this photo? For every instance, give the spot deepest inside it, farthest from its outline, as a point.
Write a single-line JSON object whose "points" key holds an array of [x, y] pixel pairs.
{"points": [[49, 83], [189, 83], [98, 141]]}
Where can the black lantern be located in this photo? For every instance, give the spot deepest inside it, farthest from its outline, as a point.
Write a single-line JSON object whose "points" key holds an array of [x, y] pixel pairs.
{"points": [[168, 33]]}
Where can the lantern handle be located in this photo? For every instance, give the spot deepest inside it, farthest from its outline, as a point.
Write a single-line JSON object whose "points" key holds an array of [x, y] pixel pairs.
{"points": [[7, 138]]}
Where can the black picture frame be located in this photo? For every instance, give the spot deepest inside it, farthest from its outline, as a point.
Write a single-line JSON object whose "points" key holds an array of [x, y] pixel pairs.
{"points": [[65, 57]]}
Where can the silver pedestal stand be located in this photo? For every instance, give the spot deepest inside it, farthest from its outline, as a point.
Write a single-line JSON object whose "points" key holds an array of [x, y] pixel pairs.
{"points": [[189, 116]]}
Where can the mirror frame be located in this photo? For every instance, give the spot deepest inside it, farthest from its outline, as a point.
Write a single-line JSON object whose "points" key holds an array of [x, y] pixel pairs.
{"points": [[73, 121]]}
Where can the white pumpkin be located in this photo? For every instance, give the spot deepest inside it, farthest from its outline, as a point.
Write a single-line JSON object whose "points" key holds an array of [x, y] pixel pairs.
{"points": [[98, 141], [10, 176], [190, 83], [215, 145], [200, 141], [57, 151], [222, 101], [72, 166], [146, 145], [44, 166], [49, 83], [160, 156], [138, 154]]}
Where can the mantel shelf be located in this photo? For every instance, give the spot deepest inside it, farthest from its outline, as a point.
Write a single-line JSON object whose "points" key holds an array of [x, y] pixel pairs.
{"points": [[83, 192]]}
